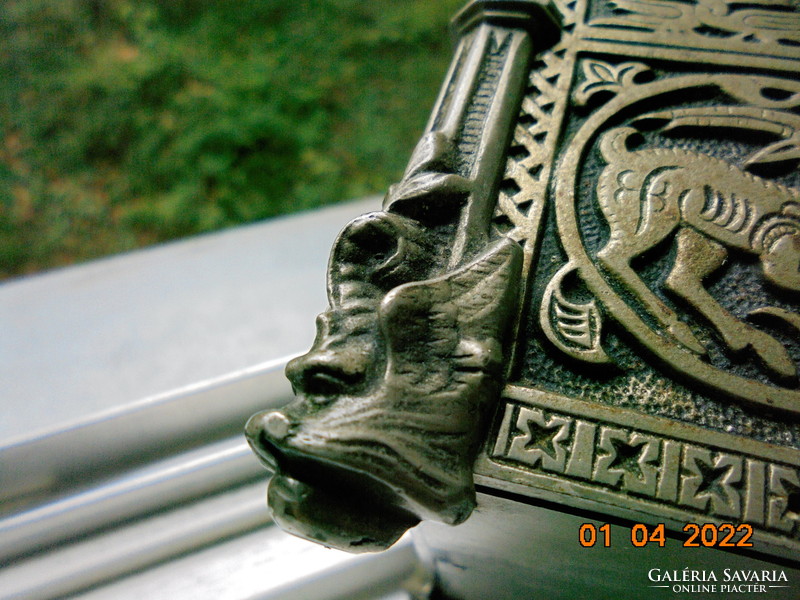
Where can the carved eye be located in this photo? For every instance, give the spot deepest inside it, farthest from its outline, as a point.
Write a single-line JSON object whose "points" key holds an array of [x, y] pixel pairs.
{"points": [[375, 245], [324, 382], [367, 244], [318, 376]]}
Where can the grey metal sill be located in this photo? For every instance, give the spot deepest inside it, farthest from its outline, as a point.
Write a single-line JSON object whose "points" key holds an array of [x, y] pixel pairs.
{"points": [[127, 381]]}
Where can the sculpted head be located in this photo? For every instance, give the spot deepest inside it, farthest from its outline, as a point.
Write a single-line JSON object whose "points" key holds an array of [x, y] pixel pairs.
{"points": [[393, 395]]}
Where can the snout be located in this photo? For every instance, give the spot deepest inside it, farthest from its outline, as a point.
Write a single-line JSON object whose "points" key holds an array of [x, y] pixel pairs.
{"points": [[315, 499], [264, 431]]}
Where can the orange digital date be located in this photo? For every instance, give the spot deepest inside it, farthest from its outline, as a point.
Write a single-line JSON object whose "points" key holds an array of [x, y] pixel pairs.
{"points": [[709, 535]]}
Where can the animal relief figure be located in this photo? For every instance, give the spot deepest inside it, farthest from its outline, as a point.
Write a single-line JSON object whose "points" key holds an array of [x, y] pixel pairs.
{"points": [[701, 172], [646, 195], [393, 394]]}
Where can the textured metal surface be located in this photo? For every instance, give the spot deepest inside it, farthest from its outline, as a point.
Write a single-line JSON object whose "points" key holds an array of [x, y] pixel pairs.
{"points": [[409, 357], [649, 177], [657, 367]]}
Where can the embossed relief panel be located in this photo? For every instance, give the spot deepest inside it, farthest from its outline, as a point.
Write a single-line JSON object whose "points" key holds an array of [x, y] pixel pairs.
{"points": [[759, 28], [631, 465], [655, 188], [673, 205], [594, 253]]}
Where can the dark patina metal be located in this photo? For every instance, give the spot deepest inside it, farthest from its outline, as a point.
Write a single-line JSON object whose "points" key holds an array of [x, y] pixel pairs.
{"points": [[584, 290]]}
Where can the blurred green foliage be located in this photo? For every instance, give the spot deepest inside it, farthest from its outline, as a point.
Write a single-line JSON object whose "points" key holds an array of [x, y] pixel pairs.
{"points": [[128, 122]]}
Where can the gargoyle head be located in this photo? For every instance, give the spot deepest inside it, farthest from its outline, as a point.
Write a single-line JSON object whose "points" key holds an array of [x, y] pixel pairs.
{"points": [[393, 394]]}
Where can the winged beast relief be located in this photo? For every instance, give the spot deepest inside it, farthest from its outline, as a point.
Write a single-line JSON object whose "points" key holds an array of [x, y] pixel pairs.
{"points": [[661, 186]]}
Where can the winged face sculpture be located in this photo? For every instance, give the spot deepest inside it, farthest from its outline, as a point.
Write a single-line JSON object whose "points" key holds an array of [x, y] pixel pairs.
{"points": [[583, 291], [393, 393]]}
